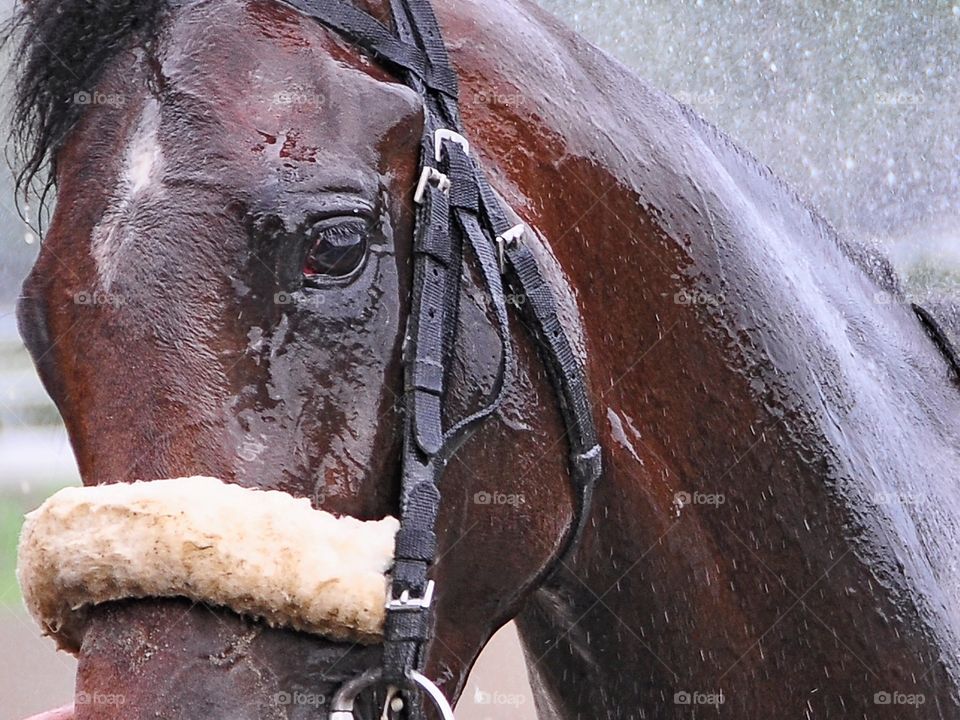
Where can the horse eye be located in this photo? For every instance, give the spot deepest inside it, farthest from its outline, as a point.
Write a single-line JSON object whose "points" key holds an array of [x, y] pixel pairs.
{"points": [[337, 248]]}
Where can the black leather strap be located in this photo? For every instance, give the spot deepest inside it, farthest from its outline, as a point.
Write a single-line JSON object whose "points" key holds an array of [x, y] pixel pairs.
{"points": [[469, 213], [939, 337], [539, 311], [374, 37]]}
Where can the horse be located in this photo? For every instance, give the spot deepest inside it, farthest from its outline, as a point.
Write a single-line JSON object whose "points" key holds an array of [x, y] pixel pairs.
{"points": [[223, 289]]}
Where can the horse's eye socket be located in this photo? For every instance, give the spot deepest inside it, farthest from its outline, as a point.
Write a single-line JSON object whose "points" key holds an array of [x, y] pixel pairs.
{"points": [[337, 248]]}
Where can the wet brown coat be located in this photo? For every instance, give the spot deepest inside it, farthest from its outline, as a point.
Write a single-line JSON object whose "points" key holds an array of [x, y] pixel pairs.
{"points": [[778, 517]]}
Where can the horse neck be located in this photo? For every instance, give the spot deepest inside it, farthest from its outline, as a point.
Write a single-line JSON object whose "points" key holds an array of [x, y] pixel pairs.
{"points": [[750, 394], [734, 353], [581, 662], [744, 432]]}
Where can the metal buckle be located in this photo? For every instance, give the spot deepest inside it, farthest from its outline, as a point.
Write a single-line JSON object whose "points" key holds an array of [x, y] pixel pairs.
{"points": [[508, 239], [453, 136], [405, 602], [430, 175]]}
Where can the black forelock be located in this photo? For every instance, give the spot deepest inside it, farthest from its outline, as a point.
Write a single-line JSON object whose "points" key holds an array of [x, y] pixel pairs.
{"points": [[59, 51]]}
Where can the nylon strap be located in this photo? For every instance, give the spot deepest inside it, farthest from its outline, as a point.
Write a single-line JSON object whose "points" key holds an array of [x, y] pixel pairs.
{"points": [[374, 37], [939, 337], [458, 208]]}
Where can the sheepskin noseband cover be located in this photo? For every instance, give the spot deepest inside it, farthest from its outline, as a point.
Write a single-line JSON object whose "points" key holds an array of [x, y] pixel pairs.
{"points": [[261, 553]]}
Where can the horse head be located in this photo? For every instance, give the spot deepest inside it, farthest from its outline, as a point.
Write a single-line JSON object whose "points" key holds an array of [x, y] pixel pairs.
{"points": [[226, 286], [223, 290]]}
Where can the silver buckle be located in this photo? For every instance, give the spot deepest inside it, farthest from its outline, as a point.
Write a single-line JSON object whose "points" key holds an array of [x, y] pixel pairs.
{"points": [[430, 175], [508, 239], [453, 136], [405, 602]]}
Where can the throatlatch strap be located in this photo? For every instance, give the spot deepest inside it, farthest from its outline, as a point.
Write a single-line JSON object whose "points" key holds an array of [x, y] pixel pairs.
{"points": [[455, 206], [939, 337]]}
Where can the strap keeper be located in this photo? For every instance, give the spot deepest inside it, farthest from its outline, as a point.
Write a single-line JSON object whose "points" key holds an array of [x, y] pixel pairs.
{"points": [[427, 176], [588, 464], [405, 627], [428, 376], [506, 240], [416, 544], [453, 136]]}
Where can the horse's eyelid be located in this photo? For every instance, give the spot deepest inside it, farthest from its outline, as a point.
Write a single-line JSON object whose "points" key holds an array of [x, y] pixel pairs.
{"points": [[341, 223], [363, 215]]}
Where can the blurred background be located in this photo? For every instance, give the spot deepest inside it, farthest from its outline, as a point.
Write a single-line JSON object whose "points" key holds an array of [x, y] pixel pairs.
{"points": [[854, 103]]}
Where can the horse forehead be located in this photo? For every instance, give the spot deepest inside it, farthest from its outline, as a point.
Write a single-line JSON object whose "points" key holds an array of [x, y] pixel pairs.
{"points": [[265, 62]]}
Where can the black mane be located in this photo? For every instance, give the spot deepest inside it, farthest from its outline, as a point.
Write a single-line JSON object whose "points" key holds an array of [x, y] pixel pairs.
{"points": [[60, 49]]}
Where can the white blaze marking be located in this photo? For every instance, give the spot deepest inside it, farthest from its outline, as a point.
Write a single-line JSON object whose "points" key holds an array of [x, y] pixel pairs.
{"points": [[142, 165], [143, 160]]}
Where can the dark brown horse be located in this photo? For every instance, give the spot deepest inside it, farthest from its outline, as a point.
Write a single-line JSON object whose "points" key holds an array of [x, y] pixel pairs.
{"points": [[223, 291]]}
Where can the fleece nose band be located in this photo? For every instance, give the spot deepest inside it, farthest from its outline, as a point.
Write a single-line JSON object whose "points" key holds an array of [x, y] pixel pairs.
{"points": [[261, 553]]}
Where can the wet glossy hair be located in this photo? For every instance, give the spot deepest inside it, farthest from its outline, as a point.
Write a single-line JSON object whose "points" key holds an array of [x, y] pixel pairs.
{"points": [[61, 47], [59, 50]]}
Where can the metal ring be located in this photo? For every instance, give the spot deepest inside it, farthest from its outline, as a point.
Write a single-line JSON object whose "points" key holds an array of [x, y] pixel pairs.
{"points": [[341, 707], [439, 699]]}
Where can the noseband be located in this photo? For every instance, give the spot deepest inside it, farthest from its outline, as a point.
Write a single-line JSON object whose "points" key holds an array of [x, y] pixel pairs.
{"points": [[455, 205]]}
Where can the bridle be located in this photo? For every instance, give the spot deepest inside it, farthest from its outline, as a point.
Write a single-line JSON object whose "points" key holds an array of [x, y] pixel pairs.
{"points": [[455, 205]]}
